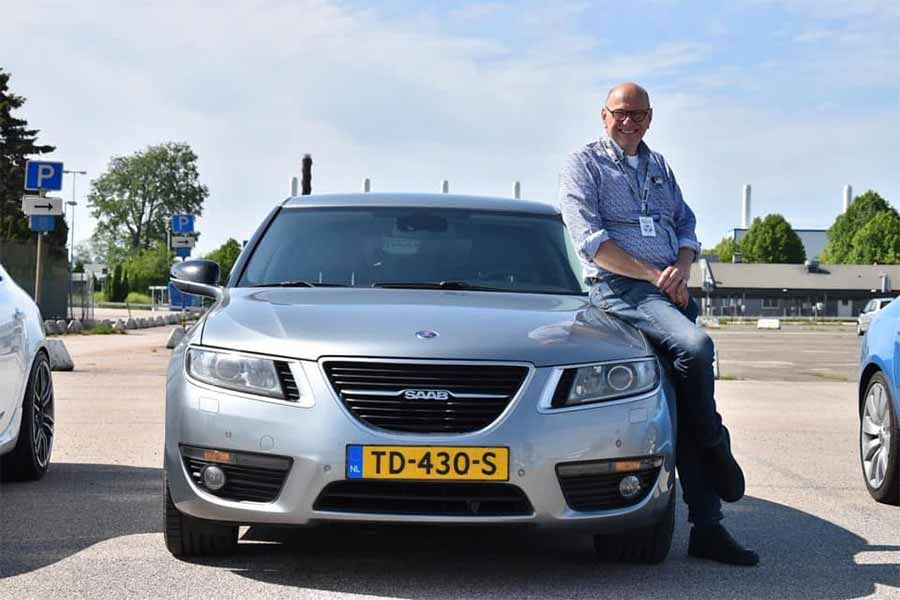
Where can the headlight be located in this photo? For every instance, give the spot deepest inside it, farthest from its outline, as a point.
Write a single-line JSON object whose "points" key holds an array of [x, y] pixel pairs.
{"points": [[235, 372], [604, 382]]}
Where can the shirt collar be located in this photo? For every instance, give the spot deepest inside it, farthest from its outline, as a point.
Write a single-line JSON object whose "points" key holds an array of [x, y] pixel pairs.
{"points": [[606, 141]]}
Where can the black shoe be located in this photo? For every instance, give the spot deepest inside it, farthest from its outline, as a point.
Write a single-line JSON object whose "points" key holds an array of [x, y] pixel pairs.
{"points": [[727, 477], [713, 542]]}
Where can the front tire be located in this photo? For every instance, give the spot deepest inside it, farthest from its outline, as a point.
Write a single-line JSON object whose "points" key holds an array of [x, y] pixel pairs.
{"points": [[646, 545], [30, 459], [879, 446], [188, 536]]}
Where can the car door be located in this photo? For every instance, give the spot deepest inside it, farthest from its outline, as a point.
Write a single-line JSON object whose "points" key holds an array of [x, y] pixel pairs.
{"points": [[11, 350]]}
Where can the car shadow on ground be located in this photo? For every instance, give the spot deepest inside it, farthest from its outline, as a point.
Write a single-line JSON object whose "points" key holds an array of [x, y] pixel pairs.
{"points": [[78, 505], [73, 507]]}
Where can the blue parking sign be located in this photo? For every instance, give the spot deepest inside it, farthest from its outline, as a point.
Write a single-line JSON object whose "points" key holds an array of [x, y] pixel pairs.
{"points": [[43, 175], [182, 223]]}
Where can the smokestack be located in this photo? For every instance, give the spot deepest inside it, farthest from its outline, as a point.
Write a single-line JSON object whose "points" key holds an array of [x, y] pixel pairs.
{"points": [[367, 185], [745, 207], [306, 175], [848, 197], [445, 186], [517, 190]]}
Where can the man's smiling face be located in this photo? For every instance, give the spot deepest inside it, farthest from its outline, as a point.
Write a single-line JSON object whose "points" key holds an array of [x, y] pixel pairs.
{"points": [[627, 116]]}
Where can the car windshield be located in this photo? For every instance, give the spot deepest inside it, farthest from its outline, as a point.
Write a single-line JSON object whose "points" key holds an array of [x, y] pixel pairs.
{"points": [[417, 248]]}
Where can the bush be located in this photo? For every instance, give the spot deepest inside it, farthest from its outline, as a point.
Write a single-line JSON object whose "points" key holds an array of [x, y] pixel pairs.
{"points": [[138, 298]]}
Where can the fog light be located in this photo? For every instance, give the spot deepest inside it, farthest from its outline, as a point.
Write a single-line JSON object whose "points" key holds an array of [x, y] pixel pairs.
{"points": [[630, 486], [214, 478]]}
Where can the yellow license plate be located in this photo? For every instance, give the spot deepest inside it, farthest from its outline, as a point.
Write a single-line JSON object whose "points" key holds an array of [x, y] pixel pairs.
{"points": [[464, 463]]}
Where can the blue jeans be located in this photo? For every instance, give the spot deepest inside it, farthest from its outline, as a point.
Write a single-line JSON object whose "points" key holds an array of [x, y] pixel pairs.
{"points": [[675, 335]]}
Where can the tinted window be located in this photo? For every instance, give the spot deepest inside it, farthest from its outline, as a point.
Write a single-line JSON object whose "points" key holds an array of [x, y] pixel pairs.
{"points": [[363, 246]]}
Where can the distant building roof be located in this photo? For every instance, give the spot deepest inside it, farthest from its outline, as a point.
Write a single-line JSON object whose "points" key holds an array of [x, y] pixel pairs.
{"points": [[795, 277], [814, 240]]}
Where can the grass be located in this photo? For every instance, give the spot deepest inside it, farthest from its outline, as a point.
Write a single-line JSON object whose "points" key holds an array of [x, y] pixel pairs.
{"points": [[101, 330]]}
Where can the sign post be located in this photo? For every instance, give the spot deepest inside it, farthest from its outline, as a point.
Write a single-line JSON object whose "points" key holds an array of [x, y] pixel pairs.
{"points": [[41, 177]]}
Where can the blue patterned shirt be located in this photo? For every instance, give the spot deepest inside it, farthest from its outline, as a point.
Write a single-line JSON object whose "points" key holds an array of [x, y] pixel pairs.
{"points": [[598, 204]]}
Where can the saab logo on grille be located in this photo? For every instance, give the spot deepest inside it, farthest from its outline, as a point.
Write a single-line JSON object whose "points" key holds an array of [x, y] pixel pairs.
{"points": [[426, 394]]}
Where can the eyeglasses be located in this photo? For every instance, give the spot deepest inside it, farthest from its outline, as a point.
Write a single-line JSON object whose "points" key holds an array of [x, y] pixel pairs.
{"points": [[637, 116]]}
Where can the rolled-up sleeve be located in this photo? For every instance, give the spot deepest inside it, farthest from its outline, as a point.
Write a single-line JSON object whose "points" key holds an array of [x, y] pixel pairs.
{"points": [[578, 205], [685, 221]]}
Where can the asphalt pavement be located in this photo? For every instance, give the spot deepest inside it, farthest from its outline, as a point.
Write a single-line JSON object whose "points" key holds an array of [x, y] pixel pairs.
{"points": [[92, 527]]}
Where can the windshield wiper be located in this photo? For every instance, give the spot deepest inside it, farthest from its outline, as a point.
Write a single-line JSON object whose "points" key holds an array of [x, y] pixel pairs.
{"points": [[298, 283], [438, 285]]}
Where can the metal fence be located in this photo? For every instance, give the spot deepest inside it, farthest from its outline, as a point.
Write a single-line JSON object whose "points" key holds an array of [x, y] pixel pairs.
{"points": [[81, 296]]}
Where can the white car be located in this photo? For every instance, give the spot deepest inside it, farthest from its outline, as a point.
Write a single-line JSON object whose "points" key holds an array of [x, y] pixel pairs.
{"points": [[26, 387], [869, 312]]}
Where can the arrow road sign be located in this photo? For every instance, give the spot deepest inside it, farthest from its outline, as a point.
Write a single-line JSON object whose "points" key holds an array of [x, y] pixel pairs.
{"points": [[183, 241], [182, 223], [43, 175], [42, 205]]}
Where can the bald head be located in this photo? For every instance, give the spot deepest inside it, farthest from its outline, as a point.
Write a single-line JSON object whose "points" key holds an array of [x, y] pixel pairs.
{"points": [[627, 115], [629, 91]]}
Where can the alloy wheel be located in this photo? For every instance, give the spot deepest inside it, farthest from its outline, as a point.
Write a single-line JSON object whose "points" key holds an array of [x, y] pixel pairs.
{"points": [[875, 435], [43, 421]]}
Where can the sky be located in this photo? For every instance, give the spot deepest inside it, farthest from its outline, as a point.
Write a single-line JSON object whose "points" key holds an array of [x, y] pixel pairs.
{"points": [[795, 97]]}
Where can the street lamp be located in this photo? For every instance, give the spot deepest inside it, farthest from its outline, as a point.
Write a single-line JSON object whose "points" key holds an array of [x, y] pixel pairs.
{"points": [[73, 204]]}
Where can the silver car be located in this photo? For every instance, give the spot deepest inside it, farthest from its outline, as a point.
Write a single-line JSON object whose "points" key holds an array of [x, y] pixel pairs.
{"points": [[404, 358], [869, 312], [26, 386]]}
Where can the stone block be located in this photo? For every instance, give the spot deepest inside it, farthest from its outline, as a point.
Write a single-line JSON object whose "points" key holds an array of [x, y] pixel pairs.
{"points": [[60, 360], [175, 337], [768, 324]]}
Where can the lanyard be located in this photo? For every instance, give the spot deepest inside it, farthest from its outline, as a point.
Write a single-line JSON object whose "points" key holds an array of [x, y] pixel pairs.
{"points": [[641, 196]]}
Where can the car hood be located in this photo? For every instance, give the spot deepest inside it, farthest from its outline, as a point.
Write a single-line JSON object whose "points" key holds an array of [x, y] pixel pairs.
{"points": [[311, 323]]}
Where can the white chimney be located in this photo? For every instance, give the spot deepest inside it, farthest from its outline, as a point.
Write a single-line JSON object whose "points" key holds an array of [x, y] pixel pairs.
{"points": [[848, 197], [367, 185], [445, 186], [517, 190], [745, 207], [294, 186]]}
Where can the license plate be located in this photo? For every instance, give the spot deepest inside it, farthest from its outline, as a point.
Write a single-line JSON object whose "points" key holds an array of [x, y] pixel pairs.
{"points": [[465, 463]]}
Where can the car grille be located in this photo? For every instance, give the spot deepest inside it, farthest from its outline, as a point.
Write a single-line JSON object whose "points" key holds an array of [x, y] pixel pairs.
{"points": [[424, 498], [601, 491], [255, 484], [374, 392]]}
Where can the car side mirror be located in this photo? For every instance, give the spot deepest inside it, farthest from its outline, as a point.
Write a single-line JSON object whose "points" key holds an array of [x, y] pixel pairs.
{"points": [[197, 277]]}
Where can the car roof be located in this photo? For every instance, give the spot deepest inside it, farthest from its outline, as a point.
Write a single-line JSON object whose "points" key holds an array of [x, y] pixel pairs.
{"points": [[410, 200]]}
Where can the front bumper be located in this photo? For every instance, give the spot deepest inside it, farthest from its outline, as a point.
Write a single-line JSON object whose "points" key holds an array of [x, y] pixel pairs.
{"points": [[315, 439]]}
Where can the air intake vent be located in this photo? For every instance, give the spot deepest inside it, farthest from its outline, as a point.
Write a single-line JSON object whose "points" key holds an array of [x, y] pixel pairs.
{"points": [[288, 384], [425, 397], [424, 498], [589, 492]]}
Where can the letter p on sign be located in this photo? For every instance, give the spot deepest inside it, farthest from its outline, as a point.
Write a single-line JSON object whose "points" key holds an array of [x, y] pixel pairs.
{"points": [[43, 175]]}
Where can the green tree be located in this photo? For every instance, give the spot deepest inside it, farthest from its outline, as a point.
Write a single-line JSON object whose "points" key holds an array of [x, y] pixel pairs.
{"points": [[17, 144], [842, 232], [878, 241], [148, 267], [226, 255], [772, 240], [726, 249], [136, 196]]}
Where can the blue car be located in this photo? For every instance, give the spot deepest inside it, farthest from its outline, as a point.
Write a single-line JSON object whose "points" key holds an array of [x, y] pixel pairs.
{"points": [[879, 438]]}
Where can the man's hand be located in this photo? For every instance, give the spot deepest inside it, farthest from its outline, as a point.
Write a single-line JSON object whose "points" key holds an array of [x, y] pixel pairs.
{"points": [[673, 279]]}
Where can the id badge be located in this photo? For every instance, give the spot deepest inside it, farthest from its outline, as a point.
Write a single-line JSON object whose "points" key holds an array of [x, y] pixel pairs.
{"points": [[647, 227]]}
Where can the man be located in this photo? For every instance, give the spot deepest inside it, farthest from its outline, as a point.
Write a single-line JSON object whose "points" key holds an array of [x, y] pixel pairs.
{"points": [[635, 237]]}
